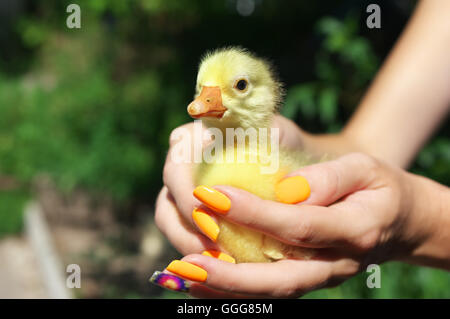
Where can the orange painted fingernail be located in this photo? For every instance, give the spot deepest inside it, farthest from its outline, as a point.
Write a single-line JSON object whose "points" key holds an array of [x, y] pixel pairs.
{"points": [[292, 190], [187, 270], [204, 221], [219, 255], [213, 199]]}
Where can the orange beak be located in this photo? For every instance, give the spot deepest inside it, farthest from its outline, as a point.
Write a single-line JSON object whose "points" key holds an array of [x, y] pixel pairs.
{"points": [[207, 104]]}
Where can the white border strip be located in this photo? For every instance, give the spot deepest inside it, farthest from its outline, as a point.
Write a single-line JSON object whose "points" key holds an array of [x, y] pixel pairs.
{"points": [[38, 234]]}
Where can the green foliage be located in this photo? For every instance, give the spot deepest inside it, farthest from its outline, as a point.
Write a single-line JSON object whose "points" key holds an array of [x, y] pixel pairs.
{"points": [[12, 204], [433, 161], [93, 153], [344, 63], [74, 120]]}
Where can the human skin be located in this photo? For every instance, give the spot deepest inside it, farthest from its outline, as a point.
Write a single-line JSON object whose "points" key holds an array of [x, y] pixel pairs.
{"points": [[384, 213]]}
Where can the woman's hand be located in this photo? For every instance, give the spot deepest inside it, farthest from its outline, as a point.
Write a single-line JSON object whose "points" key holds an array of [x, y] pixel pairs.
{"points": [[360, 211], [175, 203]]}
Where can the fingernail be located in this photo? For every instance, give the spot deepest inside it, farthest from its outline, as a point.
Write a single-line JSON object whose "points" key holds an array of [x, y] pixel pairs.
{"points": [[169, 281], [219, 255], [292, 190], [187, 270], [204, 221], [213, 199]]}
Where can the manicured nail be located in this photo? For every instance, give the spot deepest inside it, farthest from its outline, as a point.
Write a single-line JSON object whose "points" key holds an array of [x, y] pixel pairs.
{"points": [[213, 199], [169, 281], [204, 221], [219, 255], [187, 270], [292, 190]]}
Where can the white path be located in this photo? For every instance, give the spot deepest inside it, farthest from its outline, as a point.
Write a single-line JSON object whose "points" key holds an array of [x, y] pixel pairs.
{"points": [[19, 272]]}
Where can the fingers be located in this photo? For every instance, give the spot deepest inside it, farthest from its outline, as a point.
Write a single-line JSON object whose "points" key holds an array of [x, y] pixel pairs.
{"points": [[202, 291], [330, 181], [205, 276], [302, 225], [308, 224], [183, 236], [178, 169], [214, 278], [282, 279], [178, 179]]}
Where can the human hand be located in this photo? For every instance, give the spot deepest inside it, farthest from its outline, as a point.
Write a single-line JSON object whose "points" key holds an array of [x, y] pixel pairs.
{"points": [[360, 211], [175, 203]]}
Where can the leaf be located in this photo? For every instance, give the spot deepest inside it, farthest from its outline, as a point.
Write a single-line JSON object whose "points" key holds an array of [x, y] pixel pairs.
{"points": [[300, 98], [328, 98]]}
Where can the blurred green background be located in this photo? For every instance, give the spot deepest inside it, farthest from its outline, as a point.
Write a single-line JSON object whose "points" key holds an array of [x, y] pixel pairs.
{"points": [[93, 107]]}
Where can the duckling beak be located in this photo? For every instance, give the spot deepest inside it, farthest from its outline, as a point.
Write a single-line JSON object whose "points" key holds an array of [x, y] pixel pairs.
{"points": [[207, 104]]}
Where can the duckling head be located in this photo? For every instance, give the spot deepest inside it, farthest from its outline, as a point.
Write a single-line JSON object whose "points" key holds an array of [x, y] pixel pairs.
{"points": [[235, 89]]}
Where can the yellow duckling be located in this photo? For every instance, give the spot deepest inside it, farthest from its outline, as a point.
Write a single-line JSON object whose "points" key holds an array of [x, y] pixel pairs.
{"points": [[237, 90]]}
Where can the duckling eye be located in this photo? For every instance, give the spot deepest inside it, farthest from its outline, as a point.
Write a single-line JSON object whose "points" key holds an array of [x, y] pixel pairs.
{"points": [[241, 85]]}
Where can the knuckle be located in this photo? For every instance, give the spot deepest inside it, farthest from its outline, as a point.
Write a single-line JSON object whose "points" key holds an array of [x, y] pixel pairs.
{"points": [[253, 208], [370, 165], [175, 136], [286, 288], [350, 268], [178, 133], [159, 215], [354, 267], [231, 283], [331, 180], [368, 161], [287, 291], [368, 241], [166, 173], [304, 232]]}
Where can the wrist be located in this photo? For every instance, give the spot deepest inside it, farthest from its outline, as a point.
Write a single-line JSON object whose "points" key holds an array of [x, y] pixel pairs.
{"points": [[430, 223]]}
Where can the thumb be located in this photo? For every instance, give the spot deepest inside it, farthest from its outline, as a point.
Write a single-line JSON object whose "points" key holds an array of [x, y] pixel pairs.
{"points": [[328, 181]]}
